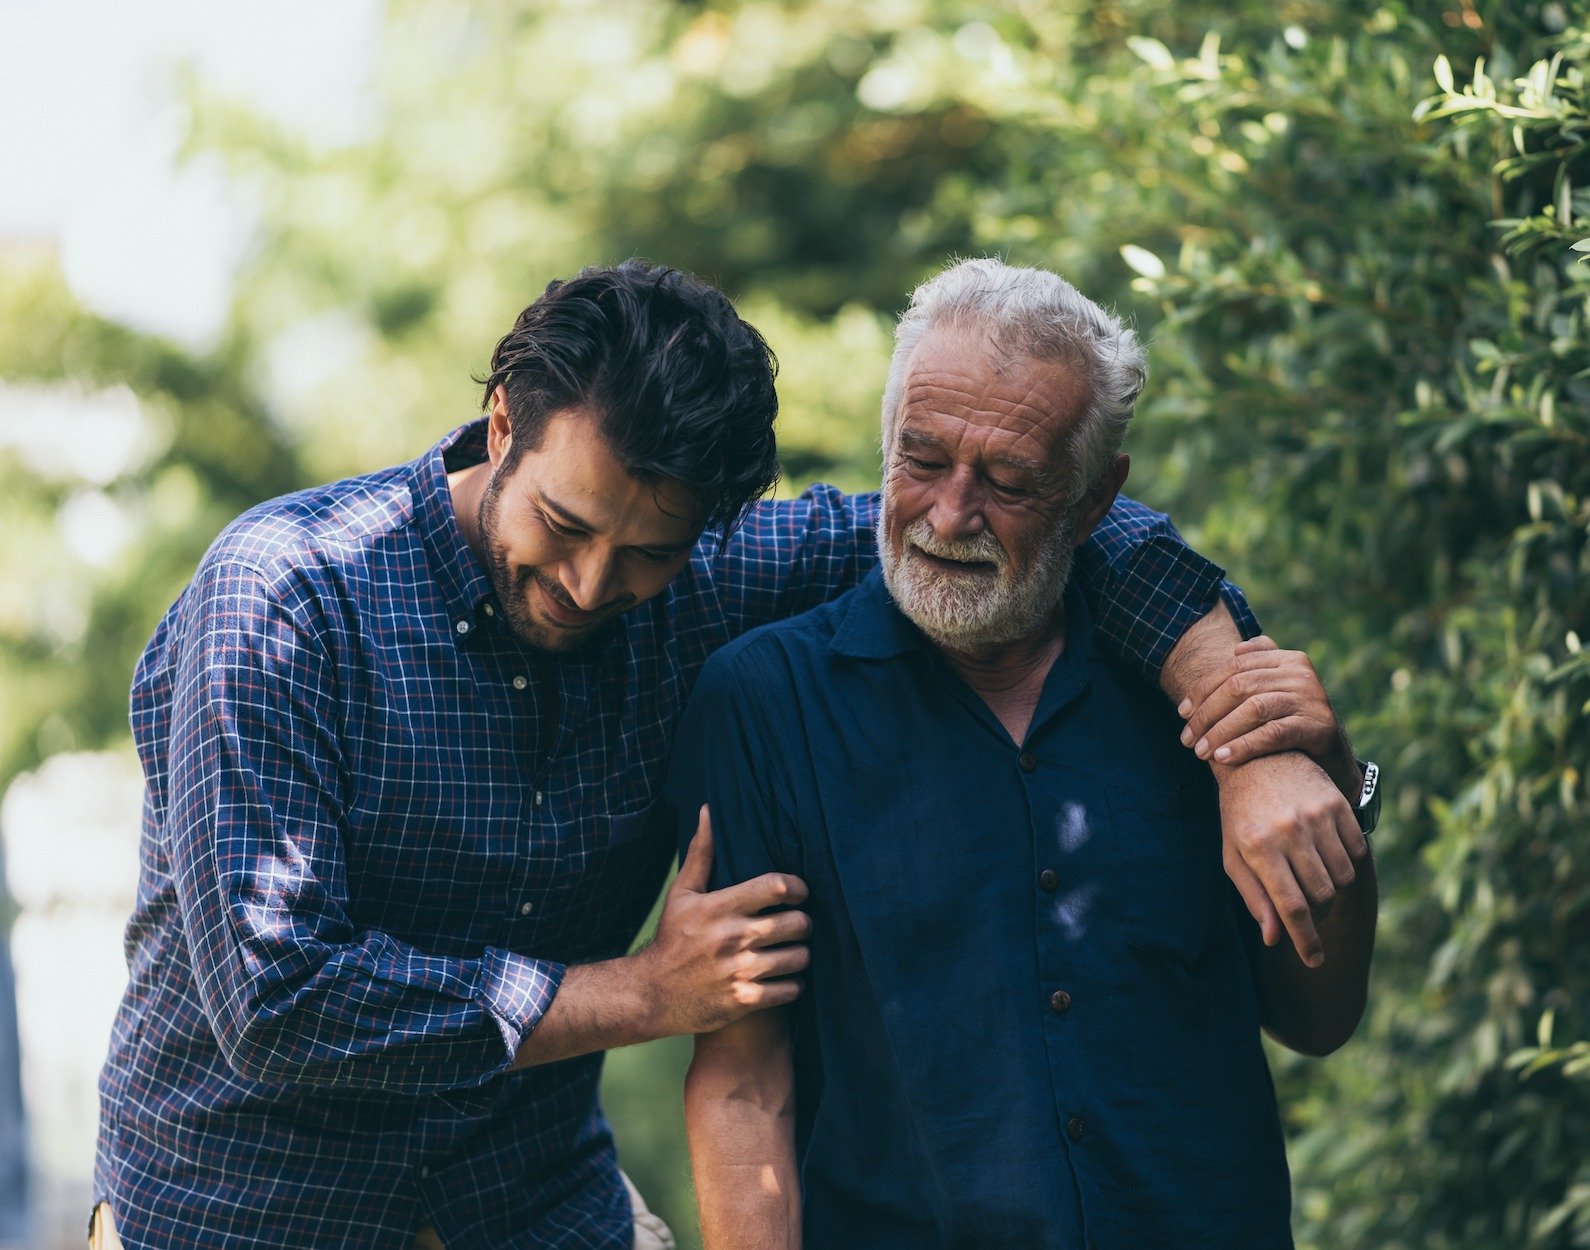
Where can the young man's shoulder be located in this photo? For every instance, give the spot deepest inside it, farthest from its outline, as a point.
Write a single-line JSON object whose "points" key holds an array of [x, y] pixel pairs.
{"points": [[321, 527]]}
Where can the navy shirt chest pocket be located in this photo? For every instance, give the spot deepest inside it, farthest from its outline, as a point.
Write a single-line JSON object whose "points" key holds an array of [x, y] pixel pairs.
{"points": [[920, 863], [1166, 865]]}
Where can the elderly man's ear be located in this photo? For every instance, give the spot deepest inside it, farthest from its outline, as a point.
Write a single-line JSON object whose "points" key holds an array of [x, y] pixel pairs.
{"points": [[1101, 498]]}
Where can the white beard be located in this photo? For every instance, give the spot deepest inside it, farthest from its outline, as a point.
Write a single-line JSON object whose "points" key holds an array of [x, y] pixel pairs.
{"points": [[979, 607]]}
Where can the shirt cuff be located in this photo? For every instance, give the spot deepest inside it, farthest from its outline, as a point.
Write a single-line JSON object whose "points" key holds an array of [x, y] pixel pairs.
{"points": [[1163, 588], [516, 992], [1237, 603]]}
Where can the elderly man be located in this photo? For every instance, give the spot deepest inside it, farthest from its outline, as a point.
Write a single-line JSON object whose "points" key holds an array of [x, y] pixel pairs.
{"points": [[403, 737], [1034, 1002]]}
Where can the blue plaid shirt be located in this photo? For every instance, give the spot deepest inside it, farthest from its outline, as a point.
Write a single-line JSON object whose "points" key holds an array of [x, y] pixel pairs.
{"points": [[376, 831]]}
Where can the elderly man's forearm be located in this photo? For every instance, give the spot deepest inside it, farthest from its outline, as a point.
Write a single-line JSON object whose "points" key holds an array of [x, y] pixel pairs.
{"points": [[740, 1117]]}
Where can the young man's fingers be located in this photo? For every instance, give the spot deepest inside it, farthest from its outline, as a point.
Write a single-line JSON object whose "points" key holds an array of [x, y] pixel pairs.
{"points": [[786, 961], [781, 927], [780, 992], [771, 889], [1349, 834], [1297, 917], [1333, 854], [1258, 902], [696, 870], [1311, 874]]}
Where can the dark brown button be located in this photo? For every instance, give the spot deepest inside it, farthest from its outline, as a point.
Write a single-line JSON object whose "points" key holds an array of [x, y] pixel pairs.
{"points": [[1048, 879], [1060, 1001], [1074, 1128], [1026, 761]]}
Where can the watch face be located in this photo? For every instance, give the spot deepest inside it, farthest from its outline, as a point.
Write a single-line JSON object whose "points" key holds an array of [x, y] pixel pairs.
{"points": [[1368, 809]]}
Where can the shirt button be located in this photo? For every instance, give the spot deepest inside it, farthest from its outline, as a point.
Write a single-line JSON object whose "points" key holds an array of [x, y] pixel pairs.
{"points": [[1074, 1128], [1048, 879], [526, 908], [538, 798], [462, 627], [425, 1171], [1026, 761], [520, 681], [1061, 1002], [490, 611]]}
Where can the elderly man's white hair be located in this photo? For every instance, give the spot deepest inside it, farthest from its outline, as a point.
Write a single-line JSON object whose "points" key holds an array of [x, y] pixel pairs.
{"points": [[1035, 314]]}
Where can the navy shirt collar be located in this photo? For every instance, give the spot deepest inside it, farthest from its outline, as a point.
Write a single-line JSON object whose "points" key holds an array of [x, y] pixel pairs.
{"points": [[874, 628], [463, 582]]}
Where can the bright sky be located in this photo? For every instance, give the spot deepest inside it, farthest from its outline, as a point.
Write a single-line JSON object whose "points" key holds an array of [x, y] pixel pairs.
{"points": [[90, 123]]}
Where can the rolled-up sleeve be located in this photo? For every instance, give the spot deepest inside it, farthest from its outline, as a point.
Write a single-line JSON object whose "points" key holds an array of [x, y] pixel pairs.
{"points": [[1147, 586], [294, 989]]}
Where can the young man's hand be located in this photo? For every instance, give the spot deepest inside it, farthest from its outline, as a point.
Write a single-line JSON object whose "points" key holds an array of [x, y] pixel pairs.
{"points": [[716, 957], [1261, 717]]}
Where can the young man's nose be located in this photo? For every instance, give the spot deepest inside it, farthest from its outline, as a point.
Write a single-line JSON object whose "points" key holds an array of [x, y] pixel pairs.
{"points": [[588, 579]]}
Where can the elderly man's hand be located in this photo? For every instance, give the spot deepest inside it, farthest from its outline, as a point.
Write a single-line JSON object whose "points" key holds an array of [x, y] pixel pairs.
{"points": [[1290, 836], [1265, 701]]}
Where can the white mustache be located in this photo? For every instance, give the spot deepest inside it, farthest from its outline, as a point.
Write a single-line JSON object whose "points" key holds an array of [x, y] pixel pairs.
{"points": [[980, 547]]}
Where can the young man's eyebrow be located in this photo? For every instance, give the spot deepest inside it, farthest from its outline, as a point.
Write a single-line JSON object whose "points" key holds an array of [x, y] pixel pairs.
{"points": [[571, 519], [574, 521]]}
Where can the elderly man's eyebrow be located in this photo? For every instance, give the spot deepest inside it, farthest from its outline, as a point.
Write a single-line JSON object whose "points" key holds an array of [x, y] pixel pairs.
{"points": [[1003, 460]]}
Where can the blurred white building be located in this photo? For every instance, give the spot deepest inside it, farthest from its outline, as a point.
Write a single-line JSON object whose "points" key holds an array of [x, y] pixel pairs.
{"points": [[69, 834]]}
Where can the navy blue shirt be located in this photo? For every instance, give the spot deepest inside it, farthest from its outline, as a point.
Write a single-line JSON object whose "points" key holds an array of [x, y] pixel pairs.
{"points": [[1030, 1018]]}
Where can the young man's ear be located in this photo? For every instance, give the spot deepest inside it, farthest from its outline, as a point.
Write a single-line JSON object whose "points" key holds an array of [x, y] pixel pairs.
{"points": [[1101, 498], [499, 430]]}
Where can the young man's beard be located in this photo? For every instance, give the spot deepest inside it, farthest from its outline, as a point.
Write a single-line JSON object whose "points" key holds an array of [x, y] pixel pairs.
{"points": [[512, 590], [973, 610]]}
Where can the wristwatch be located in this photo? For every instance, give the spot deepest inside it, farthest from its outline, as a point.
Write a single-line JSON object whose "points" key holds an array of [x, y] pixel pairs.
{"points": [[1367, 809]]}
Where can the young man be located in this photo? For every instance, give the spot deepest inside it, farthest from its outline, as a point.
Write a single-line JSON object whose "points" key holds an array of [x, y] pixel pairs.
{"points": [[1033, 1006], [403, 736]]}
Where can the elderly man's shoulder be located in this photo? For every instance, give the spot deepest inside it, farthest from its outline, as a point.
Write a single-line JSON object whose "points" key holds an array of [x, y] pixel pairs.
{"points": [[780, 657]]}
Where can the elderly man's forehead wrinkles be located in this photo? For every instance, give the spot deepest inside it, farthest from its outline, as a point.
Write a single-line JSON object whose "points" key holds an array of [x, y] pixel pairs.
{"points": [[949, 393]]}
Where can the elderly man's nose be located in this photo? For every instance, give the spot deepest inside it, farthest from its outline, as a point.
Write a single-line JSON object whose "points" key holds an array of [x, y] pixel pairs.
{"points": [[957, 508]]}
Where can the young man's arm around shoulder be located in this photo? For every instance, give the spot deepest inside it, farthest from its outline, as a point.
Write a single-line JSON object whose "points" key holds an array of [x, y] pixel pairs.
{"points": [[740, 1115]]}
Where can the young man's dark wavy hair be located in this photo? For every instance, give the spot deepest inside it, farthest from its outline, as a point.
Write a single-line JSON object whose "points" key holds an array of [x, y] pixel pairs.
{"points": [[682, 388]]}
